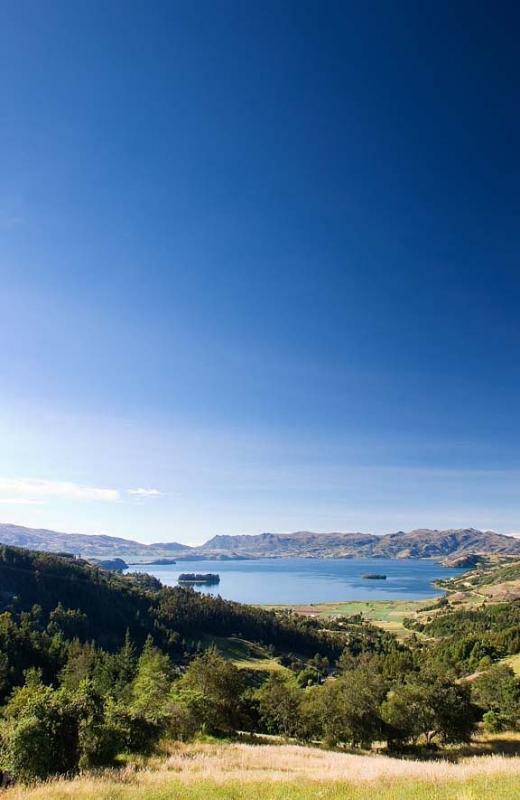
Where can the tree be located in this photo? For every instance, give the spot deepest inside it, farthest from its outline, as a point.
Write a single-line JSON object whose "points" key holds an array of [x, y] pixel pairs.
{"points": [[125, 663], [212, 688], [80, 665], [407, 714], [280, 705], [69, 622], [351, 708], [151, 685], [497, 692], [455, 715], [432, 707], [99, 739]]}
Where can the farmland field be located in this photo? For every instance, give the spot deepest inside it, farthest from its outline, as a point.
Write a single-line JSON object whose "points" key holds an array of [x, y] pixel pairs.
{"points": [[386, 614]]}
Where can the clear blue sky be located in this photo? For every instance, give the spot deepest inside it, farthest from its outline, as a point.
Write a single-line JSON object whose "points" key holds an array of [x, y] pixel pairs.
{"points": [[259, 266]]}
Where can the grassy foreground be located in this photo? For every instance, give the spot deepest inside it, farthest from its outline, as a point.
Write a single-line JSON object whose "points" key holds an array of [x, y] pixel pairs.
{"points": [[288, 772], [473, 789]]}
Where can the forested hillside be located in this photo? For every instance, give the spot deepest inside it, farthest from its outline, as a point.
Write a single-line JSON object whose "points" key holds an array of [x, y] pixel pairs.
{"points": [[91, 604], [94, 665]]}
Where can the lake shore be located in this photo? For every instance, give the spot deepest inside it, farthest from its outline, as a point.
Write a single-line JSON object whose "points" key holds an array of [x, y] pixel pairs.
{"points": [[299, 582]]}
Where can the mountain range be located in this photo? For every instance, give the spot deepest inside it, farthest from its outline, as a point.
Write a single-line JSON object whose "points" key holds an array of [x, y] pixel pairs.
{"points": [[97, 546], [420, 543]]}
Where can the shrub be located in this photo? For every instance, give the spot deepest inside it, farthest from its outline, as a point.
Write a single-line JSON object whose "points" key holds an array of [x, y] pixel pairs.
{"points": [[40, 734]]}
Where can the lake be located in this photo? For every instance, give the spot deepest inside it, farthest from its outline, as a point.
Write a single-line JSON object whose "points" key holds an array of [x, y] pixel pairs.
{"points": [[302, 580]]}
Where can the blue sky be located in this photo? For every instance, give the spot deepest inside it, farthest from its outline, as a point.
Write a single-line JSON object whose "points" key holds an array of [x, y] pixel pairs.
{"points": [[259, 266]]}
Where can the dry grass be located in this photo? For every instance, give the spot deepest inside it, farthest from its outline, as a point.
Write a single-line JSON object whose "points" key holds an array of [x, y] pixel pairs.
{"points": [[244, 654], [504, 592], [245, 762], [513, 662], [289, 772]]}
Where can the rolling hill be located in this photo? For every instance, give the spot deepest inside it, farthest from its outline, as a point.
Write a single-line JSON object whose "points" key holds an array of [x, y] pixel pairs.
{"points": [[85, 545], [419, 543], [278, 545]]}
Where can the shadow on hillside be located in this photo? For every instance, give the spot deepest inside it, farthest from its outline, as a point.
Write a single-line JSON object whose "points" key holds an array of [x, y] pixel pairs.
{"points": [[499, 745], [502, 746]]}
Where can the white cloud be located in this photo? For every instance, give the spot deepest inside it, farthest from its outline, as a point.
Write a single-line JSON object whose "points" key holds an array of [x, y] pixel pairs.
{"points": [[31, 489], [144, 492], [21, 501]]}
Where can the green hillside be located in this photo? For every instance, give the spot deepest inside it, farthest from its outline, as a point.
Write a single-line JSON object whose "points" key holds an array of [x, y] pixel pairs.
{"points": [[98, 668]]}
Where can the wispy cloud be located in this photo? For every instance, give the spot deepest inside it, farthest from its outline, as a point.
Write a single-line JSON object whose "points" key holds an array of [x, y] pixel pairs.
{"points": [[30, 489], [21, 501], [144, 492]]}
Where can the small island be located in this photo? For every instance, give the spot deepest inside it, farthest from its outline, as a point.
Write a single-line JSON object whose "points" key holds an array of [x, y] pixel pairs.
{"points": [[110, 564], [202, 578], [374, 576]]}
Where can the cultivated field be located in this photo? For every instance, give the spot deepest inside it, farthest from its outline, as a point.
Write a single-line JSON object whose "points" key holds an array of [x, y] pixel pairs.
{"points": [[288, 772], [386, 614], [495, 582]]}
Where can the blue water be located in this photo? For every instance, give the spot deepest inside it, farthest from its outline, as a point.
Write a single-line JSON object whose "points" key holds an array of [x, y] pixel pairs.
{"points": [[301, 580]]}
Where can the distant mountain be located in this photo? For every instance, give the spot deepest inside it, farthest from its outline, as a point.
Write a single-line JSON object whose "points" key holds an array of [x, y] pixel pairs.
{"points": [[97, 546], [169, 547], [278, 545], [426, 543], [420, 543]]}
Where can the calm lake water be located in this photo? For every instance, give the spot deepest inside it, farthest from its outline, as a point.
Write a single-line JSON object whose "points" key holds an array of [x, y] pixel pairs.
{"points": [[301, 580]]}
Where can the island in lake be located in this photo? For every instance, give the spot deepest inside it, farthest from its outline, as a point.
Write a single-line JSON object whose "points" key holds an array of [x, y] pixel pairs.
{"points": [[374, 576], [195, 577]]}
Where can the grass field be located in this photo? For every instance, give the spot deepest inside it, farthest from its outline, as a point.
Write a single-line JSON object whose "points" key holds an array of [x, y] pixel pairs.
{"points": [[288, 772], [386, 614], [244, 654], [513, 662]]}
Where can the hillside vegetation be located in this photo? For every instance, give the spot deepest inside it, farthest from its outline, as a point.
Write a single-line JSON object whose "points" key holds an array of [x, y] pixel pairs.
{"points": [[491, 581], [99, 669]]}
